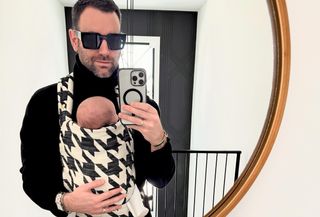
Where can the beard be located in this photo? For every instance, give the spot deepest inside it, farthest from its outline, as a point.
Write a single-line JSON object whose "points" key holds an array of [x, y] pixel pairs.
{"points": [[100, 70]]}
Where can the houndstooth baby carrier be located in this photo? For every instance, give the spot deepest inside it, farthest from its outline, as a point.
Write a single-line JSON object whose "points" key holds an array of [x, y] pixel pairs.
{"points": [[89, 154]]}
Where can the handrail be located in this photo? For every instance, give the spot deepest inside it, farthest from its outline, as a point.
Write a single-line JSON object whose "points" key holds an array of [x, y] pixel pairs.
{"points": [[200, 174]]}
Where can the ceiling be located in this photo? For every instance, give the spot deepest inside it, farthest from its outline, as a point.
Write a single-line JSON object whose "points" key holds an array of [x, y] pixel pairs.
{"points": [[179, 5]]}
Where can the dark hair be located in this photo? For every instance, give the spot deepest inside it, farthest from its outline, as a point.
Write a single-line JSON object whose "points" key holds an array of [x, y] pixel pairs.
{"points": [[103, 5]]}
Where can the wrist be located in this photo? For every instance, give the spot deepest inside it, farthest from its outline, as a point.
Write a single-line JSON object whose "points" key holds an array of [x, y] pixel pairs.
{"points": [[60, 201], [163, 140]]}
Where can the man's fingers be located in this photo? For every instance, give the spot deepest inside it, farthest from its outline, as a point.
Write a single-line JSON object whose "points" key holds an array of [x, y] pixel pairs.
{"points": [[108, 194], [133, 119], [150, 115], [94, 184], [141, 105], [144, 107], [113, 200], [136, 111]]}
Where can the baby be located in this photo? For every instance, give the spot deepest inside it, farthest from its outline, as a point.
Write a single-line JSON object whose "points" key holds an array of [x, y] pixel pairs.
{"points": [[96, 112]]}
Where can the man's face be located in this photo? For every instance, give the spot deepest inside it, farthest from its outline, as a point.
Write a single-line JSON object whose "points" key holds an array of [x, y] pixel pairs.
{"points": [[102, 62]]}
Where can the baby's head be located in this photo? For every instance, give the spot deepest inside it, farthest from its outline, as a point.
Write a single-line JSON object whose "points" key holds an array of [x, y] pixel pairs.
{"points": [[96, 112]]}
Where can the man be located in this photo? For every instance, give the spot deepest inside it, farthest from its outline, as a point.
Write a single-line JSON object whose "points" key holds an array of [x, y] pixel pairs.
{"points": [[95, 38]]}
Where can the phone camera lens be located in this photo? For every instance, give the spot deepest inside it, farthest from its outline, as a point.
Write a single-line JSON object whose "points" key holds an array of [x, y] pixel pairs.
{"points": [[134, 78], [141, 74], [141, 82]]}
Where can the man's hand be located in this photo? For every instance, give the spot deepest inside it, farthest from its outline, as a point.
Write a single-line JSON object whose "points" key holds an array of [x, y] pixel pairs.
{"points": [[82, 200], [146, 121]]}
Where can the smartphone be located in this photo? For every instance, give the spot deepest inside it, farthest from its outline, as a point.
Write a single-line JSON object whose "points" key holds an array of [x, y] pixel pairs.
{"points": [[132, 87]]}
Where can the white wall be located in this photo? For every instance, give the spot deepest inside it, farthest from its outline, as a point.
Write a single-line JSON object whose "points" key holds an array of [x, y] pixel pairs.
{"points": [[232, 87], [233, 75], [288, 185], [33, 54]]}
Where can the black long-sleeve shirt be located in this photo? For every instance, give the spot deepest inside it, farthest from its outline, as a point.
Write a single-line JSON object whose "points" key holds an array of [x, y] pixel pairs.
{"points": [[41, 162]]}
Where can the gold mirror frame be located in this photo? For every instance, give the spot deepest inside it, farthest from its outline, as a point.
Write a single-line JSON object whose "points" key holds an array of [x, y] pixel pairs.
{"points": [[281, 35]]}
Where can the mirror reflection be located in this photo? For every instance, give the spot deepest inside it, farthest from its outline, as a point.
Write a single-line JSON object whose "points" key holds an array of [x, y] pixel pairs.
{"points": [[231, 88], [213, 95]]}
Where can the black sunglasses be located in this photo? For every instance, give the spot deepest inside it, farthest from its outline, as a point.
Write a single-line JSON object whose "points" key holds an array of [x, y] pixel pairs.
{"points": [[92, 40]]}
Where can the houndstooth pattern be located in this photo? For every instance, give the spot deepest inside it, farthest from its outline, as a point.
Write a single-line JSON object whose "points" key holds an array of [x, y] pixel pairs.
{"points": [[89, 154]]}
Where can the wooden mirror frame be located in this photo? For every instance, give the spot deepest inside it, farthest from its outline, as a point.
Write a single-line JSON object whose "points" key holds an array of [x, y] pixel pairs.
{"points": [[281, 35]]}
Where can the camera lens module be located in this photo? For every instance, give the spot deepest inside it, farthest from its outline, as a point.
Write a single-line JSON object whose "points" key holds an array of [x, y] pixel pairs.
{"points": [[134, 78], [141, 74]]}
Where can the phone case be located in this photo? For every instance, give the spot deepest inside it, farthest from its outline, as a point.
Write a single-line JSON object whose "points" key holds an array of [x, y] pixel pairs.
{"points": [[132, 86]]}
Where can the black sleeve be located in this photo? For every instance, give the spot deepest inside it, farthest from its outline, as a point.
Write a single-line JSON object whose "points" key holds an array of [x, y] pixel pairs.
{"points": [[41, 165], [157, 167], [161, 166]]}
